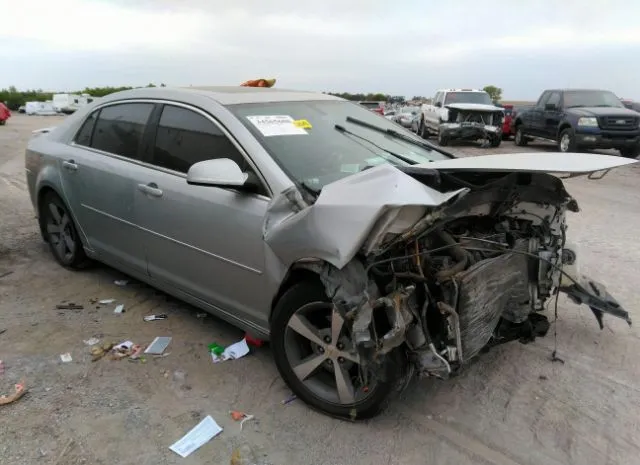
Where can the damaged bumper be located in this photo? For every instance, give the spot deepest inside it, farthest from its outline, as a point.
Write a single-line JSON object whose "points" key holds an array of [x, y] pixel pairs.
{"points": [[595, 296], [469, 130]]}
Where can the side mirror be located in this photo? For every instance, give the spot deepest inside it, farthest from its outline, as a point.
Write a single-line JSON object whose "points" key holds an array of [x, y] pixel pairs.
{"points": [[550, 107], [439, 104], [217, 172]]}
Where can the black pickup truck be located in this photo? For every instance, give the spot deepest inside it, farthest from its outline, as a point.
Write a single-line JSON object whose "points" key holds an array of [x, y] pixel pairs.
{"points": [[581, 120]]}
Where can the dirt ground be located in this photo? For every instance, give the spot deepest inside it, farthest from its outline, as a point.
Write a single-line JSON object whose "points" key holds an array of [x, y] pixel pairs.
{"points": [[512, 407]]}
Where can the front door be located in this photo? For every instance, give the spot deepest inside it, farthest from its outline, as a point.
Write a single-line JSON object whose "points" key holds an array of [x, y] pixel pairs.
{"points": [[552, 115], [206, 241], [101, 170]]}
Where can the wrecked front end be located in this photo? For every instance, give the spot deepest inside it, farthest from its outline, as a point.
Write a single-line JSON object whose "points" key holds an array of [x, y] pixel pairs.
{"points": [[462, 123], [440, 265]]}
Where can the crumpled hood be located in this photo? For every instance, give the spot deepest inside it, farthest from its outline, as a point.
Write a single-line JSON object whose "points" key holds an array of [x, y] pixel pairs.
{"points": [[473, 106], [357, 212]]}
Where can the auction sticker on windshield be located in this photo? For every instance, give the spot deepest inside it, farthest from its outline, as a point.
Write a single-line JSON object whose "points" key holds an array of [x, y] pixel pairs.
{"points": [[276, 125]]}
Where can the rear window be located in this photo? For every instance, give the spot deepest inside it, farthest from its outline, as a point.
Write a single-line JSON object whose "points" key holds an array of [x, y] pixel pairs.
{"points": [[467, 97], [370, 104], [119, 128]]}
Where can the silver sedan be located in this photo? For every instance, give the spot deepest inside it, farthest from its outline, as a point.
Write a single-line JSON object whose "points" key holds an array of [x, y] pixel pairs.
{"points": [[361, 251]]}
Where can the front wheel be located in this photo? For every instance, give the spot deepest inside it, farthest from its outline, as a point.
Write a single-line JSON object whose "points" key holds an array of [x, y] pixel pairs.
{"points": [[567, 141], [61, 233], [316, 357], [424, 132], [495, 141], [443, 140], [630, 152]]}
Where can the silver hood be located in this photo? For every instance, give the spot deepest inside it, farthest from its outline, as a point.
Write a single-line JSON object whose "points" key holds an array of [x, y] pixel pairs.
{"points": [[358, 212]]}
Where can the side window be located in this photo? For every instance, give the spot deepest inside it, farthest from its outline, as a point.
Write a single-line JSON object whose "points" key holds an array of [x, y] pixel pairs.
{"points": [[543, 99], [185, 137], [554, 99], [120, 127], [83, 137]]}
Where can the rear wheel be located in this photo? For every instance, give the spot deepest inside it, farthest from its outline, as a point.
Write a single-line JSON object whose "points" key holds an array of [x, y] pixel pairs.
{"points": [[316, 357], [495, 141], [520, 139], [61, 233]]}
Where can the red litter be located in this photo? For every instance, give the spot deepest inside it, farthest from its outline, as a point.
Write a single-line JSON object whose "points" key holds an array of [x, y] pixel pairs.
{"points": [[253, 341]]}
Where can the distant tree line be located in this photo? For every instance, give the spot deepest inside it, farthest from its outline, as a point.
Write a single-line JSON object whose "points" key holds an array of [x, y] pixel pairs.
{"points": [[15, 98], [371, 97]]}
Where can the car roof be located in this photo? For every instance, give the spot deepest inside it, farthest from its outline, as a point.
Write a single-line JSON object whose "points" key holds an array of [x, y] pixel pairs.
{"points": [[460, 90], [226, 95]]}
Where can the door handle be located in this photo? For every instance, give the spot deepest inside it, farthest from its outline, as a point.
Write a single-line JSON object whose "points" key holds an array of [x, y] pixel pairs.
{"points": [[70, 165], [150, 189]]}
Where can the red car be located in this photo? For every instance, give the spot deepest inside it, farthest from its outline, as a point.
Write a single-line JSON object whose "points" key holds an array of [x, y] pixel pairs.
{"points": [[506, 124], [5, 114], [375, 107]]}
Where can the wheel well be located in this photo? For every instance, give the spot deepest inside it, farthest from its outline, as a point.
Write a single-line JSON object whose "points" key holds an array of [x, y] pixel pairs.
{"points": [[293, 277], [41, 195], [562, 127]]}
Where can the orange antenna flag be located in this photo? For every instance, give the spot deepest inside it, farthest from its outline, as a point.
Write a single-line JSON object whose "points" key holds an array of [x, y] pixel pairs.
{"points": [[259, 83]]}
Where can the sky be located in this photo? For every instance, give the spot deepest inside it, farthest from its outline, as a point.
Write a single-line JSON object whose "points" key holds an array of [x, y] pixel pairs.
{"points": [[401, 47]]}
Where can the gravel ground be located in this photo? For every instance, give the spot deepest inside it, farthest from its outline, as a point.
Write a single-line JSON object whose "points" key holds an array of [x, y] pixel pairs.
{"points": [[512, 407]]}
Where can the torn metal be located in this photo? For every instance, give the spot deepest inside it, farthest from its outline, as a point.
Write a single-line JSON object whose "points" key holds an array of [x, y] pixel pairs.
{"points": [[445, 260]]}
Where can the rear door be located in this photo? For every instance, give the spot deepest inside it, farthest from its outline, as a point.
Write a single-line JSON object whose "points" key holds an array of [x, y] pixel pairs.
{"points": [[431, 116], [205, 241], [101, 170]]}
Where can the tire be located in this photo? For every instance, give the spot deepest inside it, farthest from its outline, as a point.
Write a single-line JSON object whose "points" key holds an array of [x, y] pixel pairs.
{"points": [[3, 122], [495, 141], [520, 139], [308, 298], [567, 141], [424, 131], [443, 140], [61, 234], [630, 152]]}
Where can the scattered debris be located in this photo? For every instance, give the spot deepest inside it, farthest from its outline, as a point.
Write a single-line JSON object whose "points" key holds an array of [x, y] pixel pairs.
{"points": [[253, 341], [6, 273], [66, 358], [233, 352], [158, 345], [121, 282], [92, 342], [136, 353], [119, 309], [106, 301], [3, 330], [100, 351], [93, 300], [155, 317], [19, 392], [201, 315], [542, 377], [122, 350], [243, 455], [1, 368], [240, 416], [69, 306], [289, 399], [202, 433]]}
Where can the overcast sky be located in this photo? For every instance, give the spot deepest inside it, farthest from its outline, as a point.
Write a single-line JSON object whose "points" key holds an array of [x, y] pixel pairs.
{"points": [[402, 47]]}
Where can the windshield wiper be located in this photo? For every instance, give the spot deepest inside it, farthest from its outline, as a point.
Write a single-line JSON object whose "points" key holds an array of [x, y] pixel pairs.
{"points": [[397, 155], [398, 135]]}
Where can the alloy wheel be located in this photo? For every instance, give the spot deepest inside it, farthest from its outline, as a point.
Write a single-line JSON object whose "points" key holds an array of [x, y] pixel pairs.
{"points": [[322, 356], [60, 232], [565, 142]]}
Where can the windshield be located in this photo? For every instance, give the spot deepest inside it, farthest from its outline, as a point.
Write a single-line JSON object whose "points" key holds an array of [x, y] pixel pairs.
{"points": [[591, 98], [467, 97], [302, 138], [370, 104]]}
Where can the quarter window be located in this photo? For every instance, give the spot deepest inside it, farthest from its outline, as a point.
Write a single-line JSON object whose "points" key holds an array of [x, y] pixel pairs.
{"points": [[84, 134], [119, 128], [185, 137]]}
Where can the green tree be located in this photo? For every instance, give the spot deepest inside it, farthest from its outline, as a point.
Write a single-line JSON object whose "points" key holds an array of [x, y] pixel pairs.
{"points": [[494, 92]]}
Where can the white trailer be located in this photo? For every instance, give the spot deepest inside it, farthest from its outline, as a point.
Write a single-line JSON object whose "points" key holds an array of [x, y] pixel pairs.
{"points": [[68, 103], [40, 108]]}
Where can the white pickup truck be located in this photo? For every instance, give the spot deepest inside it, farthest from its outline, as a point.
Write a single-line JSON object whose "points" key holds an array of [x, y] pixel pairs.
{"points": [[462, 114]]}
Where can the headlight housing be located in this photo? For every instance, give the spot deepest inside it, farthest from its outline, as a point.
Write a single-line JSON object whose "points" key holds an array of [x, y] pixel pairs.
{"points": [[588, 121]]}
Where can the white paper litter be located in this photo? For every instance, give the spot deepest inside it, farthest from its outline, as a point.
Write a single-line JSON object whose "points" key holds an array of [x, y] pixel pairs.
{"points": [[234, 351], [119, 309], [121, 282], [276, 125], [106, 301], [66, 358], [92, 342], [126, 345], [158, 345], [202, 433]]}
